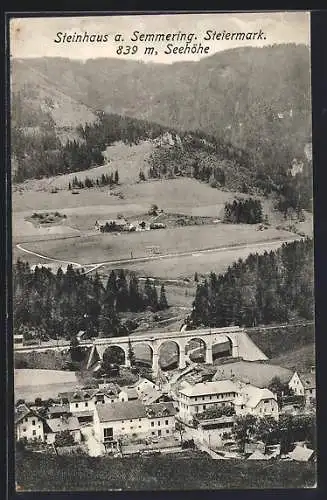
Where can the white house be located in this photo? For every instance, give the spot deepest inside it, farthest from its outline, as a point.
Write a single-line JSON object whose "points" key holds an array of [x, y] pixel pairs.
{"points": [[132, 420], [28, 424], [56, 425], [304, 384], [117, 420], [256, 401], [244, 398], [197, 398], [161, 419], [144, 386]]}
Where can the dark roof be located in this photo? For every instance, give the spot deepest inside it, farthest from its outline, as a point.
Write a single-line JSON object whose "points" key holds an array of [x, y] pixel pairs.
{"points": [[131, 393], [258, 374], [308, 380], [52, 410], [158, 410], [128, 410], [78, 395], [23, 411], [63, 424], [151, 396]]}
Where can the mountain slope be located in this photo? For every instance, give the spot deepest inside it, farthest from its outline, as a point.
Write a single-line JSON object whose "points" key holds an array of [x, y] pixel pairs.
{"points": [[241, 94]]}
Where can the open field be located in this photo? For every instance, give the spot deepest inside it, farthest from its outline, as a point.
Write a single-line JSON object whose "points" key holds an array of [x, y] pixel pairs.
{"points": [[104, 247], [275, 342], [36, 472], [301, 359]]}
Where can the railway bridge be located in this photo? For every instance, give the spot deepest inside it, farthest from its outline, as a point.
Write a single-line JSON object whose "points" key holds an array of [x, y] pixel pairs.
{"points": [[240, 344]]}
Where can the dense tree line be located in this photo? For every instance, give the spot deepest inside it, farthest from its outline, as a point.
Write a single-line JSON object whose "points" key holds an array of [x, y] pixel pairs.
{"points": [[263, 289], [104, 180], [246, 211], [60, 304], [42, 155], [287, 430]]}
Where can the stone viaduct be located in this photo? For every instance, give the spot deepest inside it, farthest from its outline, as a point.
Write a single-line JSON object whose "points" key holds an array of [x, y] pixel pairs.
{"points": [[240, 344]]}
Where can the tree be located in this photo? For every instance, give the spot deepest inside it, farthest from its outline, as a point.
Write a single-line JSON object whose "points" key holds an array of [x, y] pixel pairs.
{"points": [[153, 210], [196, 278], [277, 387], [131, 353], [181, 429], [64, 438], [75, 350], [113, 356], [141, 175], [163, 304], [38, 402], [245, 428], [267, 430], [116, 181]]}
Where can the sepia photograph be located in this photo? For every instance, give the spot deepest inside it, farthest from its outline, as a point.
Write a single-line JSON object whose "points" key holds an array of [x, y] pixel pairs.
{"points": [[162, 251]]}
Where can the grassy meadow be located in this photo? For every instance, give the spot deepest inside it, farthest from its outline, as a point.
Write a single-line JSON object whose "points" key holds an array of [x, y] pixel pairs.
{"points": [[36, 472]]}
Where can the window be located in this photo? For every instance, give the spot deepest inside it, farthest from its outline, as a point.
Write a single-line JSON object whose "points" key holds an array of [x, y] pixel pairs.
{"points": [[132, 427], [153, 433], [26, 419], [86, 404], [204, 407], [152, 424], [24, 429], [195, 399], [140, 426], [33, 422], [108, 434], [76, 405], [167, 431], [210, 398], [158, 423], [166, 422], [131, 420], [34, 433], [139, 420]]}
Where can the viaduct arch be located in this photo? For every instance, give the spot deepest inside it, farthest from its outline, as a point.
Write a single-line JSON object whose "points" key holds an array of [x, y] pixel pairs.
{"points": [[241, 344]]}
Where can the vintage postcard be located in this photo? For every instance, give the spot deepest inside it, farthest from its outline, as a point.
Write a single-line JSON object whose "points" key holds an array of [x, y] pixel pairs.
{"points": [[162, 239]]}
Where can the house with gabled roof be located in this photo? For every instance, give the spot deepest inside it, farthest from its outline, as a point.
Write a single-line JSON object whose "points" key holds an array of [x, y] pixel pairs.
{"points": [[64, 423], [29, 424], [132, 420], [304, 384]]}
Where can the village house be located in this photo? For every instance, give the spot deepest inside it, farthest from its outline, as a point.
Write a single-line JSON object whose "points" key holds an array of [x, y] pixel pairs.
{"points": [[210, 432], [57, 411], [144, 385], [256, 401], [82, 402], [194, 399], [244, 398], [28, 424], [132, 420], [64, 423], [161, 418], [304, 384]]}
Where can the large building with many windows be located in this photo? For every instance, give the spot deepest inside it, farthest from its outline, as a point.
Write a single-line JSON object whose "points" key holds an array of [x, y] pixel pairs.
{"points": [[117, 421], [243, 398]]}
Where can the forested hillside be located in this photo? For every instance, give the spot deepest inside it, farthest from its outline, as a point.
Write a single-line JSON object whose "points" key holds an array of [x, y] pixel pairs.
{"points": [[59, 305], [271, 288], [243, 116]]}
